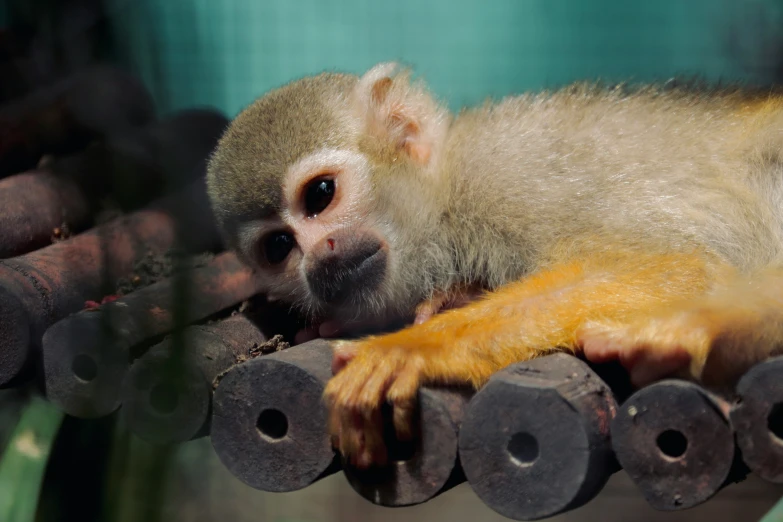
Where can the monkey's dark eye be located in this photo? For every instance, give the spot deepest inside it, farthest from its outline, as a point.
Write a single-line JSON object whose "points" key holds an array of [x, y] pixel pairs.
{"points": [[317, 196], [277, 246]]}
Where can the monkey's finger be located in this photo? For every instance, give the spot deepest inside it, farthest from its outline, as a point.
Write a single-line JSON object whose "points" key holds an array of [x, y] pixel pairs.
{"points": [[371, 449], [351, 435], [363, 460], [364, 438], [603, 348], [423, 315], [374, 445], [403, 419], [336, 406], [373, 392], [652, 365], [342, 354], [426, 310], [600, 350], [464, 299], [329, 329], [371, 455], [599, 343], [334, 423], [332, 329], [402, 394], [304, 335]]}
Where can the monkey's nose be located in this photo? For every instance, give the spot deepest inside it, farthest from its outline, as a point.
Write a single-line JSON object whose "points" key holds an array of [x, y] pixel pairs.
{"points": [[345, 266]]}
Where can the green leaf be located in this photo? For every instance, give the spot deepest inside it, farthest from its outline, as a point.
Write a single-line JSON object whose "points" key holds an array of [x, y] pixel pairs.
{"points": [[775, 514], [24, 461]]}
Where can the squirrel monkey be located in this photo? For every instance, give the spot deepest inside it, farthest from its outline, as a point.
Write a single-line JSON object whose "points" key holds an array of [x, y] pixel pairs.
{"points": [[641, 225]]}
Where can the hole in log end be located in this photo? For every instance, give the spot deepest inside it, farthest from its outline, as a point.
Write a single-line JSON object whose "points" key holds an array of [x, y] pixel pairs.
{"points": [[164, 398], [84, 367], [272, 424], [672, 444], [523, 448], [775, 422]]}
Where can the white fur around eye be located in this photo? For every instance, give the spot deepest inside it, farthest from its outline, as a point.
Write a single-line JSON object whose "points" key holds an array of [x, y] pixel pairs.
{"points": [[351, 171]]}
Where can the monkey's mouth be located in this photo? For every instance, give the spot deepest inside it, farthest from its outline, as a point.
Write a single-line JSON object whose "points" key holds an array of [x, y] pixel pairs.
{"points": [[340, 282]]}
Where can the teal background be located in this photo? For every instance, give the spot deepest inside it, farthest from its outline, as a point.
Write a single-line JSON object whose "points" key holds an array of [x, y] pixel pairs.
{"points": [[228, 52]]}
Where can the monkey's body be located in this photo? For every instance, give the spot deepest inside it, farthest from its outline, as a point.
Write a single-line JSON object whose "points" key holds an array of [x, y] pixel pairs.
{"points": [[678, 168], [645, 227]]}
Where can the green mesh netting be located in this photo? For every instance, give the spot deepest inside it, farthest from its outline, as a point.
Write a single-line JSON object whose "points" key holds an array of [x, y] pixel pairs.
{"points": [[227, 52]]}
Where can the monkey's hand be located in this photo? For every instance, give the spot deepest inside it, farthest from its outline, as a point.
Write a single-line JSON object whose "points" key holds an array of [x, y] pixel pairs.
{"points": [[355, 395], [650, 348], [443, 300]]}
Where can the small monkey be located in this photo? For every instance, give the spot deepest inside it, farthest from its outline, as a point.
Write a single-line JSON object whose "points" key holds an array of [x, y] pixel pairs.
{"points": [[642, 225]]}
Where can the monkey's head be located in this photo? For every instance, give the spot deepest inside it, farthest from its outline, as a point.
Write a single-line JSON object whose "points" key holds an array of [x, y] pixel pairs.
{"points": [[330, 187]]}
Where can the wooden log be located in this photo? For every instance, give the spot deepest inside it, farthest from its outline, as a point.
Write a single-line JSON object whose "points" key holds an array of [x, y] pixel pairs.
{"points": [[65, 117], [87, 355], [675, 441], [269, 420], [758, 419], [167, 395], [42, 287], [535, 441], [429, 464], [135, 167]]}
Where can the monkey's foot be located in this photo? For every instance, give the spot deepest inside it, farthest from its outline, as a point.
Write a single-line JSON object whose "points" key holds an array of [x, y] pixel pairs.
{"points": [[356, 394], [650, 348]]}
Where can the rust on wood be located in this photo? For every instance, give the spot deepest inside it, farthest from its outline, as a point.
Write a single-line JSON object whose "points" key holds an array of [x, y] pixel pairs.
{"points": [[42, 287]]}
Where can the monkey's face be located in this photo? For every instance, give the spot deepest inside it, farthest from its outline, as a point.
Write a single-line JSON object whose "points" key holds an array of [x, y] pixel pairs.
{"points": [[335, 217], [323, 250]]}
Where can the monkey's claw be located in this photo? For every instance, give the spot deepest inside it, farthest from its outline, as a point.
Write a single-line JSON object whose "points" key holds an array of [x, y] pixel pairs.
{"points": [[356, 394]]}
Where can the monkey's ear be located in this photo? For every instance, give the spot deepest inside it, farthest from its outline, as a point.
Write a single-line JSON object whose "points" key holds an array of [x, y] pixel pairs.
{"points": [[399, 112]]}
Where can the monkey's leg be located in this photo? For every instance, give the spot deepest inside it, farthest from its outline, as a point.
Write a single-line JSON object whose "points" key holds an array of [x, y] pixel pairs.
{"points": [[713, 338], [466, 345]]}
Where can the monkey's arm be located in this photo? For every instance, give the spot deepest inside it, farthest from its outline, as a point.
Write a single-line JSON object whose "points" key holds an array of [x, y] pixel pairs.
{"points": [[715, 337], [523, 320]]}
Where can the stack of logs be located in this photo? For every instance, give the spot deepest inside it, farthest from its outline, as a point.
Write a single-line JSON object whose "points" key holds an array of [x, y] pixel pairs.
{"points": [[180, 361]]}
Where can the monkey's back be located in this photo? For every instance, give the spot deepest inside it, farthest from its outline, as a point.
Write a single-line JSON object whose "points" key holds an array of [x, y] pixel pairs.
{"points": [[674, 166]]}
